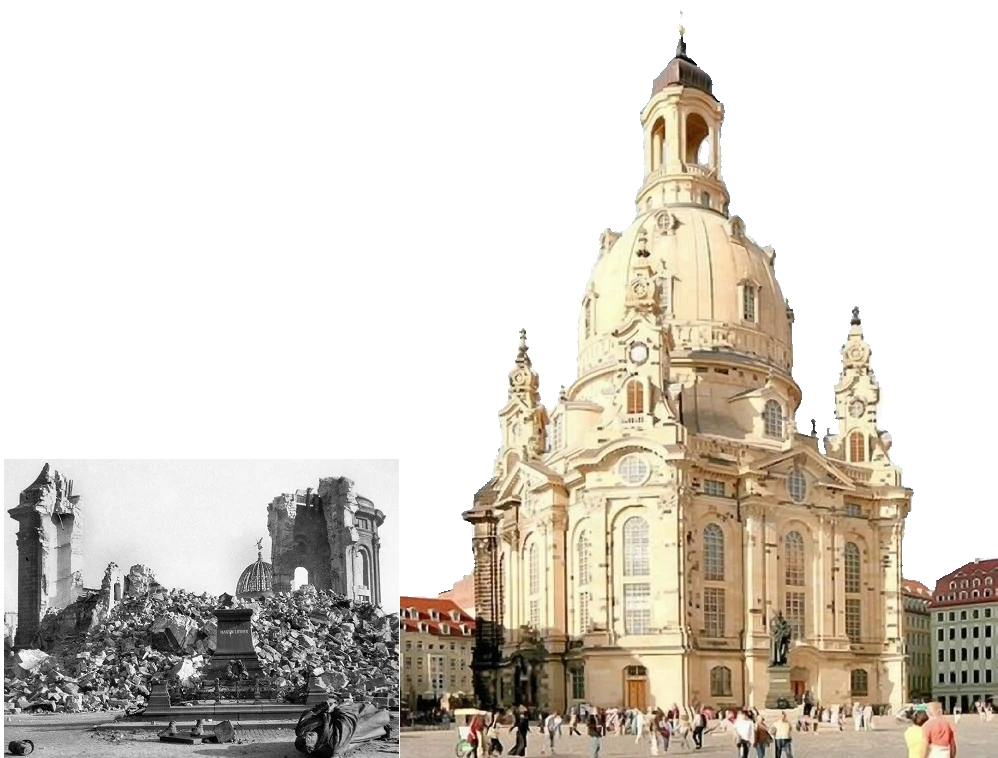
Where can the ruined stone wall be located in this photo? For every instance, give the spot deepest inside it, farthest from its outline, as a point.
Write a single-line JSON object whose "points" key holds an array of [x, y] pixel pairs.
{"points": [[49, 550], [332, 533]]}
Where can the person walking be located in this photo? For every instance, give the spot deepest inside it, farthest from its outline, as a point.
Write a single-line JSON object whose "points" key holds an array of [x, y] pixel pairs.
{"points": [[475, 731], [857, 716], [699, 724], [744, 734], [638, 722], [868, 718], [492, 735], [593, 730], [551, 724], [663, 728], [522, 726], [762, 737], [573, 723], [938, 733], [783, 737], [914, 736]]}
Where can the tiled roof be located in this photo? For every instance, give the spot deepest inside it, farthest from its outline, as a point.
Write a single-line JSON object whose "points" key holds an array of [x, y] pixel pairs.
{"points": [[981, 571], [448, 614], [912, 587]]}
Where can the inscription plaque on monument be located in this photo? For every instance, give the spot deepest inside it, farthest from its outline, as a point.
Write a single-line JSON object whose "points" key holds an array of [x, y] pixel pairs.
{"points": [[233, 645]]}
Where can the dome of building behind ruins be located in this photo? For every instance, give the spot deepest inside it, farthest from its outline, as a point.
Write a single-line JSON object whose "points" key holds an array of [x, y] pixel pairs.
{"points": [[257, 580]]}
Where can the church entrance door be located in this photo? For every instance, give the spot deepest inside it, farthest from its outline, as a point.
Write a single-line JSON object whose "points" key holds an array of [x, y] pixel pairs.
{"points": [[636, 688]]}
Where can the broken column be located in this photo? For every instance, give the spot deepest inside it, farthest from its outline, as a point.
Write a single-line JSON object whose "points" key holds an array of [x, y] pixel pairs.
{"points": [[49, 550]]}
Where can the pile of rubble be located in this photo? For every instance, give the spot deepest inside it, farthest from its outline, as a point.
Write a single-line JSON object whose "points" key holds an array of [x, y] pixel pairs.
{"points": [[107, 661]]}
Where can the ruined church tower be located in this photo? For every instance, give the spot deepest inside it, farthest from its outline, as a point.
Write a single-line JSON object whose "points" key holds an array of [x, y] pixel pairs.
{"points": [[331, 532], [49, 550]]}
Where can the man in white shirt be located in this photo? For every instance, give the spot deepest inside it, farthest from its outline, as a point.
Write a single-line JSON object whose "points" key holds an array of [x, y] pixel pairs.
{"points": [[744, 734]]}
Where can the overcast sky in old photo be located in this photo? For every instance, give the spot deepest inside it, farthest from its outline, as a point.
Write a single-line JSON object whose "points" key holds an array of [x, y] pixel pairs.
{"points": [[194, 523]]}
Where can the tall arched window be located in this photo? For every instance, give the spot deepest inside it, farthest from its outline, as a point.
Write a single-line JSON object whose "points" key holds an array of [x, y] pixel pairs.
{"points": [[793, 577], [713, 571], [713, 553], [720, 681], [857, 448], [636, 547], [635, 397], [583, 575], [637, 563], [772, 415], [858, 682], [854, 603], [365, 568], [534, 586]]}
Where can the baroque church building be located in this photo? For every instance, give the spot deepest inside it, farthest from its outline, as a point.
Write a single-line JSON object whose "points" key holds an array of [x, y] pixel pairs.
{"points": [[635, 540]]}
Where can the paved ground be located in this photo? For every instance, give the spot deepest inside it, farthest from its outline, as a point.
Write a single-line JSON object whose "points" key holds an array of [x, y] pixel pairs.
{"points": [[64, 734], [974, 740]]}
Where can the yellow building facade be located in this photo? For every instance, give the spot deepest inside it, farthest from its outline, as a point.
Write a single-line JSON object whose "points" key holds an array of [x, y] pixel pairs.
{"points": [[437, 642], [635, 540], [918, 639]]}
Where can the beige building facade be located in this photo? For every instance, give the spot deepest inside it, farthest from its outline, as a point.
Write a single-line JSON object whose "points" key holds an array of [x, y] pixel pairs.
{"points": [[918, 645], [437, 642], [635, 540], [965, 630]]}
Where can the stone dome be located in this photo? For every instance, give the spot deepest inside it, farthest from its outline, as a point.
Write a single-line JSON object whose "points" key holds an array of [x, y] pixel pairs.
{"points": [[256, 580], [702, 262]]}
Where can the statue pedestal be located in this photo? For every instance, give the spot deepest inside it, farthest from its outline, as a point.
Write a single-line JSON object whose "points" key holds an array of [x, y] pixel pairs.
{"points": [[779, 688]]}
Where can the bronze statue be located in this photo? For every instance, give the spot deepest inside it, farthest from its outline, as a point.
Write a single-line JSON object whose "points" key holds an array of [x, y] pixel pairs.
{"points": [[779, 632]]}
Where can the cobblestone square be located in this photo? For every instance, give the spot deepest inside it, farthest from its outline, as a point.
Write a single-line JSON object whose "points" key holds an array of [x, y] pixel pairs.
{"points": [[974, 740]]}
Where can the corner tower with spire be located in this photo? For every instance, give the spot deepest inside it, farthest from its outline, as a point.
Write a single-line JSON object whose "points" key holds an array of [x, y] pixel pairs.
{"points": [[859, 440]]}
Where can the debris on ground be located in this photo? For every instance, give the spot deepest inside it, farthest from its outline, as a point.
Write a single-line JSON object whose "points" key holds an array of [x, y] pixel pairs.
{"points": [[96, 660]]}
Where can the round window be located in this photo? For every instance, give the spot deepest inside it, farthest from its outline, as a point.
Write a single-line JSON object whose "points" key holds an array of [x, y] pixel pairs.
{"points": [[797, 485], [633, 469]]}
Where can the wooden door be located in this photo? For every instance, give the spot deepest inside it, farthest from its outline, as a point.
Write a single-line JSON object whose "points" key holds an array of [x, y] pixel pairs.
{"points": [[798, 689], [637, 694]]}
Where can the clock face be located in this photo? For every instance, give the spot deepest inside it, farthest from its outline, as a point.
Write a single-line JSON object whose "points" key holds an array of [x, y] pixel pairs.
{"points": [[639, 352], [856, 408]]}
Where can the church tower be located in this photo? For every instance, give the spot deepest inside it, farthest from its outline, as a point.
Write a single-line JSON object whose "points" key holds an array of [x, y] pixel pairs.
{"points": [[523, 419], [857, 398]]}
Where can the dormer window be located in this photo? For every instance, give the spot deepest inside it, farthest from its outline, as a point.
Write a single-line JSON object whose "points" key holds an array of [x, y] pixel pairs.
{"points": [[455, 615], [423, 626], [434, 615], [750, 295], [772, 416], [444, 629], [465, 630]]}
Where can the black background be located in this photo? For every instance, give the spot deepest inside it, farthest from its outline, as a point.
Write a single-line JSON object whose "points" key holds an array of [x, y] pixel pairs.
{"points": [[824, 157]]}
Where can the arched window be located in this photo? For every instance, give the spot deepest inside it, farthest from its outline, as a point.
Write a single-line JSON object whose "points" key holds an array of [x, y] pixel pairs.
{"points": [[858, 682], [793, 559], [583, 572], [773, 418], [583, 556], [657, 144], [720, 681], [696, 133], [857, 448], [365, 568], [587, 310], [713, 553], [636, 547], [534, 568], [854, 603], [748, 302], [534, 586], [635, 397], [793, 578]]}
